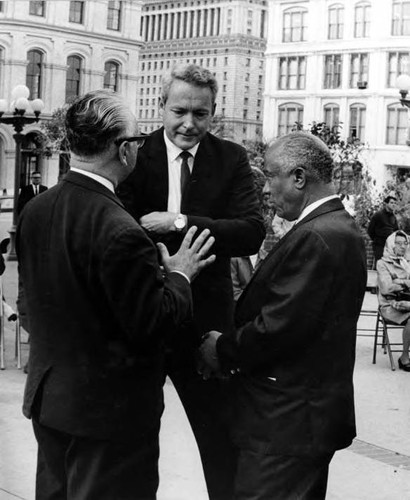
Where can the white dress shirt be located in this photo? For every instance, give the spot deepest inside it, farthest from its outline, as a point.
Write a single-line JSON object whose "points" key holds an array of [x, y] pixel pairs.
{"points": [[313, 206], [102, 180]]}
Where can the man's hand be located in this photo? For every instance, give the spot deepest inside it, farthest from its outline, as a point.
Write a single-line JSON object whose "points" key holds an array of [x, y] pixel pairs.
{"points": [[158, 222], [190, 259], [401, 305], [208, 364]]}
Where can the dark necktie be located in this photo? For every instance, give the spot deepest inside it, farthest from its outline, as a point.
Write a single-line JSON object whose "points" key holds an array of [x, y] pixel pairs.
{"points": [[35, 190], [185, 172]]}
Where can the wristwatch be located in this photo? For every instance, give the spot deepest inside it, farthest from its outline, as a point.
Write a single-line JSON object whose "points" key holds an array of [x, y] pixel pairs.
{"points": [[179, 223]]}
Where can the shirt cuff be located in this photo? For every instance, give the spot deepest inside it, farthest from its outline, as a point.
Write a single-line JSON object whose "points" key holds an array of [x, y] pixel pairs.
{"points": [[182, 274]]}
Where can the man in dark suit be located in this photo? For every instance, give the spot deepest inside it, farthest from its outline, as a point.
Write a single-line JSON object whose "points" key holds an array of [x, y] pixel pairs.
{"points": [[29, 192], [188, 176], [294, 347], [382, 224], [97, 305]]}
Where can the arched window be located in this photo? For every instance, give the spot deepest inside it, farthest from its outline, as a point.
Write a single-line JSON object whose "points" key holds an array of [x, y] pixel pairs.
{"points": [[111, 69], [331, 115], [397, 121], [335, 22], [357, 121], [34, 73], [401, 17], [73, 78], [289, 115], [294, 25], [362, 20]]}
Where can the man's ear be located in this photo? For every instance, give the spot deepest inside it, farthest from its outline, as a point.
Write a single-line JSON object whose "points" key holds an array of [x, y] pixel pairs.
{"points": [[299, 177], [122, 152]]}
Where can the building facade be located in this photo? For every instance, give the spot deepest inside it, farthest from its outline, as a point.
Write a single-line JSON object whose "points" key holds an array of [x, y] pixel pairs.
{"points": [[62, 49], [227, 37], [337, 61]]}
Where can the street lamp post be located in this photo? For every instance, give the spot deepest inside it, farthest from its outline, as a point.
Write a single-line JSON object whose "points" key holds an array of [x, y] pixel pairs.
{"points": [[403, 84], [18, 119]]}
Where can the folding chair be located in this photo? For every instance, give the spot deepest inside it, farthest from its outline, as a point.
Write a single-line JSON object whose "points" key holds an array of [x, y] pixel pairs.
{"points": [[18, 341], [385, 339]]}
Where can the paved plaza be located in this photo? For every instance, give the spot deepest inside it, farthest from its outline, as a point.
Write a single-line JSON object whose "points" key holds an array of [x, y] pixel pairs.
{"points": [[375, 467]]}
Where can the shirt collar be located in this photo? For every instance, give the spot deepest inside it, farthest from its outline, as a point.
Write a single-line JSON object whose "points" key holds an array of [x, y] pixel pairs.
{"points": [[313, 206], [102, 180], [174, 151]]}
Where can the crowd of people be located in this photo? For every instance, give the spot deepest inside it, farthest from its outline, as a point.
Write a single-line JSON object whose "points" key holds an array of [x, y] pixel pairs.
{"points": [[126, 269]]}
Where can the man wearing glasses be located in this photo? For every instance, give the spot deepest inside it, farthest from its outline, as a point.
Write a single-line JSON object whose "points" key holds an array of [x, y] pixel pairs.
{"points": [[97, 302]]}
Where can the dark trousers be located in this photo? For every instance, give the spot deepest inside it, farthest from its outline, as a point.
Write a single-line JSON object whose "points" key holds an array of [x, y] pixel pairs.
{"points": [[281, 477], [204, 403], [77, 468]]}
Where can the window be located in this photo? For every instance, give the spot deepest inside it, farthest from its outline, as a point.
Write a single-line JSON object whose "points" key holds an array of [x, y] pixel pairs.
{"points": [[359, 69], [294, 25], [37, 8], [292, 72], [114, 16], [331, 115], [76, 12], [73, 78], [397, 121], [333, 71], [357, 121], [289, 114], [111, 69], [335, 22], [362, 21], [401, 17], [34, 73], [399, 63]]}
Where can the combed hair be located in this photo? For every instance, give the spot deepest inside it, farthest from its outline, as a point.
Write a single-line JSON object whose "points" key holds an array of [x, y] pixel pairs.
{"points": [[304, 150], [189, 73], [94, 120]]}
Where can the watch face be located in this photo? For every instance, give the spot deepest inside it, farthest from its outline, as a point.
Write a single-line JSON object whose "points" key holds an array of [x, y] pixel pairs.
{"points": [[179, 222]]}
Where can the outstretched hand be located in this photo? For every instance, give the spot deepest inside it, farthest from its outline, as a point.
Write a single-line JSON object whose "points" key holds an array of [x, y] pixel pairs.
{"points": [[190, 258]]}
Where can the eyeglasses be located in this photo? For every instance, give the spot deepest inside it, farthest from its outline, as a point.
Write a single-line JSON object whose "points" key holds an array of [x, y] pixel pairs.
{"points": [[140, 139], [401, 243]]}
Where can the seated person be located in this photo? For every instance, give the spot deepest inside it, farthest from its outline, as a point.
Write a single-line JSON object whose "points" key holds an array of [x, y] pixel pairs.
{"points": [[393, 276]]}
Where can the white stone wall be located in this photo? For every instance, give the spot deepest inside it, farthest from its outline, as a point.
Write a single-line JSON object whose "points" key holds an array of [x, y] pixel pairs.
{"points": [[377, 96]]}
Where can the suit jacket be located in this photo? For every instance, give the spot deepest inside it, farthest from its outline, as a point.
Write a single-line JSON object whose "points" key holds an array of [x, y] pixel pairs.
{"points": [[221, 197], [296, 332], [96, 301], [26, 194]]}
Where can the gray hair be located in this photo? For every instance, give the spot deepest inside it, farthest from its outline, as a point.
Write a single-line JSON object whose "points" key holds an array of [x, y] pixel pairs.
{"points": [[302, 149], [192, 74], [94, 120]]}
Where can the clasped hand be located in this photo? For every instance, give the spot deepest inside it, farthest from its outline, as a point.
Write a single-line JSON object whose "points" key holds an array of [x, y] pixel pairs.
{"points": [[208, 363], [191, 258]]}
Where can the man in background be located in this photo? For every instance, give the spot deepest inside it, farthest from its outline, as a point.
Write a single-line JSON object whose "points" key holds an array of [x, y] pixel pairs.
{"points": [[294, 348], [382, 224], [187, 176], [30, 191], [97, 305]]}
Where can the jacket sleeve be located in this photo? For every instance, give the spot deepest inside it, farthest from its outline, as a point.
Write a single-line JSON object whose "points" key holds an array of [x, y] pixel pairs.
{"points": [[142, 299], [241, 231], [294, 308], [385, 280]]}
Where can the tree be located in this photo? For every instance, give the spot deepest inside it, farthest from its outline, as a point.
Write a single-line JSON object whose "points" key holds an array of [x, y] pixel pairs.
{"points": [[54, 138]]}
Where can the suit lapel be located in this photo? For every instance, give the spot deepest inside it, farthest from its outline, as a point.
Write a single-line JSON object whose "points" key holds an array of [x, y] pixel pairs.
{"points": [[157, 166]]}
